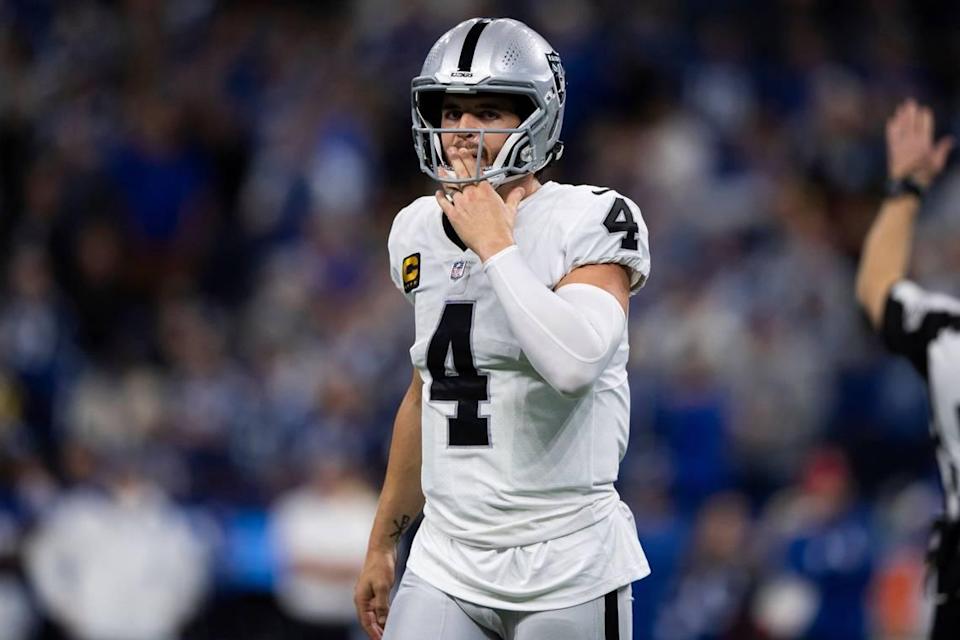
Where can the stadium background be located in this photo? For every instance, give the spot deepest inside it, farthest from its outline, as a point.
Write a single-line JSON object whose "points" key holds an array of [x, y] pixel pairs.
{"points": [[201, 350]]}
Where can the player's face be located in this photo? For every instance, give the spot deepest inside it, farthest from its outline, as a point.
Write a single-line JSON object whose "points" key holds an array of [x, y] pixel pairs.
{"points": [[482, 111]]}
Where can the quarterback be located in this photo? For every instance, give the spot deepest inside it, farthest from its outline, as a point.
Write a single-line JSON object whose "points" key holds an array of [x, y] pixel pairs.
{"points": [[511, 433]]}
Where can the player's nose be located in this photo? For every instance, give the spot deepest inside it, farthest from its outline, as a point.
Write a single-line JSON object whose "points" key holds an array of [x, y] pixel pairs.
{"points": [[468, 121]]}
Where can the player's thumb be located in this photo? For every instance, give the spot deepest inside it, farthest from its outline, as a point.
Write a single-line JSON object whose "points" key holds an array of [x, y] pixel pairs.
{"points": [[514, 198]]}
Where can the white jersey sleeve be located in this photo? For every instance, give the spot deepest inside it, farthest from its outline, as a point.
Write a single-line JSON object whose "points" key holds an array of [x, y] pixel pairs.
{"points": [[404, 261], [610, 230]]}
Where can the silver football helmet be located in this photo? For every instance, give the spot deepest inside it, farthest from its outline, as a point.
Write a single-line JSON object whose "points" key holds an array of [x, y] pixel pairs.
{"points": [[485, 55]]}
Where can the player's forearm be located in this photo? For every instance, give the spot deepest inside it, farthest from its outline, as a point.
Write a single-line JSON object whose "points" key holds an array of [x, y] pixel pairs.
{"points": [[401, 499], [886, 254], [569, 335]]}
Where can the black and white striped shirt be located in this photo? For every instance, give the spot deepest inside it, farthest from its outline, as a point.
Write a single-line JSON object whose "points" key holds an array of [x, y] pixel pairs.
{"points": [[925, 327]]}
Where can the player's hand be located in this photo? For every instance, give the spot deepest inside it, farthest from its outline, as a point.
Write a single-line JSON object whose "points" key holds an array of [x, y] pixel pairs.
{"points": [[372, 593], [482, 219], [911, 151]]}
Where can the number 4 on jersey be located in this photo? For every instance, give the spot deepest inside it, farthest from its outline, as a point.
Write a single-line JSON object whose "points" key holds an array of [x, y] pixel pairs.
{"points": [[467, 387], [620, 220]]}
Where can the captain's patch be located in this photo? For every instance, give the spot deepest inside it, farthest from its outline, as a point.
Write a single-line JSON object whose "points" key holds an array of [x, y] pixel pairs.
{"points": [[411, 272]]}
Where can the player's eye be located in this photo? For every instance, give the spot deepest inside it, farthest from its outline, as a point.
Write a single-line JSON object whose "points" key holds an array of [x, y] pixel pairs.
{"points": [[452, 114], [488, 114]]}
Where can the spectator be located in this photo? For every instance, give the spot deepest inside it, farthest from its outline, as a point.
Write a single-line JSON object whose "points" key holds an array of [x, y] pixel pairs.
{"points": [[118, 562], [320, 534]]}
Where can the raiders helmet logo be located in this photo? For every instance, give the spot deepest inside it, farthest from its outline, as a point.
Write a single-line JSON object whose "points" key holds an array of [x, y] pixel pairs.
{"points": [[410, 272]]}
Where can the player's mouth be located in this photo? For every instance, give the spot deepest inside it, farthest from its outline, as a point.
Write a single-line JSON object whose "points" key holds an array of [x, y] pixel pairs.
{"points": [[473, 152], [484, 161]]}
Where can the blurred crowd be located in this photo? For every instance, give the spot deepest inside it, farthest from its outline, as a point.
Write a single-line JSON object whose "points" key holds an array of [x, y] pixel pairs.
{"points": [[201, 350]]}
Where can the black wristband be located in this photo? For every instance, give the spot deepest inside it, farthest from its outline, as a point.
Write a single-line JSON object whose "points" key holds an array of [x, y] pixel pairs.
{"points": [[905, 187]]}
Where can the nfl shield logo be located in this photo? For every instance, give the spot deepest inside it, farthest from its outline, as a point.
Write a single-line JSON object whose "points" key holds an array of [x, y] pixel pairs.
{"points": [[458, 268]]}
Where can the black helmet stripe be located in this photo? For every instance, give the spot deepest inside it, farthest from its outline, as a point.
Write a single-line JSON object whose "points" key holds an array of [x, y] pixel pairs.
{"points": [[470, 44]]}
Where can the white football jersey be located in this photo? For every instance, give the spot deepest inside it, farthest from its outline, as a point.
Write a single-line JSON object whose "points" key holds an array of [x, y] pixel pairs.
{"points": [[521, 511]]}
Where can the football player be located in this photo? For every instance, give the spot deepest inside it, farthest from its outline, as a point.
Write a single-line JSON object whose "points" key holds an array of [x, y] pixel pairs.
{"points": [[512, 431], [922, 326]]}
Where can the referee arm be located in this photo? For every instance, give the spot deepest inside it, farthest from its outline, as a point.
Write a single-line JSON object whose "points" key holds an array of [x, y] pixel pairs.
{"points": [[912, 158]]}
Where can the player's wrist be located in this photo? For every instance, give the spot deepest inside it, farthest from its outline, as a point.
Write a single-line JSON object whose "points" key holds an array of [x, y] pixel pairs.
{"points": [[383, 545], [497, 257], [492, 249]]}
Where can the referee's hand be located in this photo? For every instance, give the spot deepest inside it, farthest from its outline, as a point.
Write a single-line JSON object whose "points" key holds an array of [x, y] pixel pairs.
{"points": [[911, 151], [372, 593]]}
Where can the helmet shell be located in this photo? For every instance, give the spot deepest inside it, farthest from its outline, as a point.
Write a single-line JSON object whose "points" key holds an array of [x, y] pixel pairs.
{"points": [[483, 55]]}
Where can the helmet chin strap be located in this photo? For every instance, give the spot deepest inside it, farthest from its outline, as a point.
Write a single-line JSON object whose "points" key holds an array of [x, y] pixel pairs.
{"points": [[505, 151], [507, 147], [503, 178]]}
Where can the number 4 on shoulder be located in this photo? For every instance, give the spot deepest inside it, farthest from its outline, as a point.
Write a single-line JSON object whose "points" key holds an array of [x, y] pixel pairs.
{"points": [[621, 220]]}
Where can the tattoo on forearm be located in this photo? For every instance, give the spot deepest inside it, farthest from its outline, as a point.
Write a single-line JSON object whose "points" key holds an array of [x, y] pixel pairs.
{"points": [[400, 526]]}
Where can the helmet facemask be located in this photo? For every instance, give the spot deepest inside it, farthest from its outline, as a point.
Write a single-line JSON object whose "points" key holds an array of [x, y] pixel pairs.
{"points": [[516, 158]]}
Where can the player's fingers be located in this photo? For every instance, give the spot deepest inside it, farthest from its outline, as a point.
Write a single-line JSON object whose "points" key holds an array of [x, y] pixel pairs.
{"points": [[456, 161], [441, 197], [369, 624], [380, 606], [459, 198], [514, 198], [469, 159], [451, 189], [445, 204], [361, 600], [366, 623], [447, 173]]}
